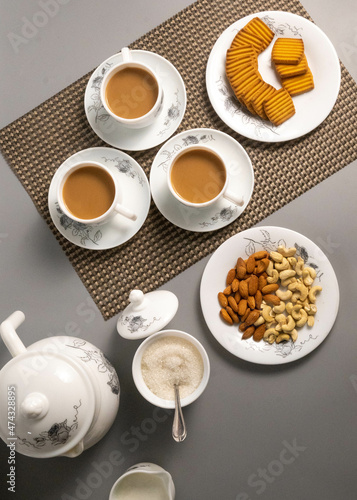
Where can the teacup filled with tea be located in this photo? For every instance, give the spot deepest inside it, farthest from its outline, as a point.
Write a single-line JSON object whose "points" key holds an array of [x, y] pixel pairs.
{"points": [[89, 193], [197, 177], [131, 92]]}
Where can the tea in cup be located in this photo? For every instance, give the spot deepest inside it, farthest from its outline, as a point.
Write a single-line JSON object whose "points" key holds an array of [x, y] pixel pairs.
{"points": [[89, 193], [131, 92], [198, 177]]}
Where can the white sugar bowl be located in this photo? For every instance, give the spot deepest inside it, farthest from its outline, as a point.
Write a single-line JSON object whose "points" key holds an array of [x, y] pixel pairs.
{"points": [[61, 394]]}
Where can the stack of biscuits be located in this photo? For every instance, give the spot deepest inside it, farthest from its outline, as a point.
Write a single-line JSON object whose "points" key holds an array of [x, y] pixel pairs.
{"points": [[258, 96]]}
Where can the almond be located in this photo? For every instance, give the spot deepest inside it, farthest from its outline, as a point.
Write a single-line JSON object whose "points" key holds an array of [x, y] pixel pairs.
{"points": [[251, 302], [233, 304], [259, 332], [262, 282], [242, 327], [232, 314], [253, 284], [250, 264], [245, 315], [248, 332], [222, 299], [228, 290], [272, 299], [243, 289], [241, 272], [262, 254], [242, 307], [270, 288], [226, 316], [258, 299], [234, 285], [230, 276], [237, 297], [252, 317]]}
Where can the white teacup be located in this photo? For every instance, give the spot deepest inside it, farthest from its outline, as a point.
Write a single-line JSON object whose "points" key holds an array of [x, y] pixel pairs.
{"points": [[206, 187], [137, 94], [114, 202]]}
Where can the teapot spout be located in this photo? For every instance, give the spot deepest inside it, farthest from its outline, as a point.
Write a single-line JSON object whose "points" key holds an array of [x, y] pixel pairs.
{"points": [[75, 451], [9, 335]]}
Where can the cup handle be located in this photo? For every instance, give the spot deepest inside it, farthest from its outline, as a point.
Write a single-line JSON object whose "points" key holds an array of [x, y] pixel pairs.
{"points": [[126, 55], [125, 212], [232, 197]]}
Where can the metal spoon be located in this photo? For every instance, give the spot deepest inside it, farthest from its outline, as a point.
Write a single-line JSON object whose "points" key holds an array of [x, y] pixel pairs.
{"points": [[179, 432]]}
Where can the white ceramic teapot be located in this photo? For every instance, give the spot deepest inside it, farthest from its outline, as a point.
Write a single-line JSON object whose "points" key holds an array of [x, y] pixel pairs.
{"points": [[58, 397]]}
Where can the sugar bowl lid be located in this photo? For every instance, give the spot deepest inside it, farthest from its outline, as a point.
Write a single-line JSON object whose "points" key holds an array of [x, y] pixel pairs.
{"points": [[47, 406], [146, 314]]}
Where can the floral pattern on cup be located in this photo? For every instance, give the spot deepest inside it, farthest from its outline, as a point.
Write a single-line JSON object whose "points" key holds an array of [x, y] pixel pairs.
{"points": [[184, 142], [58, 434], [83, 231], [97, 106], [125, 167], [225, 215]]}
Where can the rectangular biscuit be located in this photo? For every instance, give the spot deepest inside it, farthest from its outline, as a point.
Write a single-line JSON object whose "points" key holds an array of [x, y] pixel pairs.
{"points": [[287, 50]]}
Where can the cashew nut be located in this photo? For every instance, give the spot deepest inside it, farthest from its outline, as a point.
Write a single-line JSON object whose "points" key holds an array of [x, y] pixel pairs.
{"points": [[284, 295], [313, 291], [288, 273], [288, 281], [268, 332], [287, 252], [278, 328], [295, 313], [311, 309], [281, 319], [259, 321], [292, 261], [273, 278], [270, 268], [282, 337], [284, 264], [299, 266], [276, 256], [280, 308], [294, 335], [310, 321], [266, 314], [289, 307], [290, 325], [308, 275], [299, 288], [301, 322]]}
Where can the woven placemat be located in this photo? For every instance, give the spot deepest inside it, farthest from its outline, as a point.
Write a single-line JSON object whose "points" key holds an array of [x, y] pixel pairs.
{"points": [[37, 143]]}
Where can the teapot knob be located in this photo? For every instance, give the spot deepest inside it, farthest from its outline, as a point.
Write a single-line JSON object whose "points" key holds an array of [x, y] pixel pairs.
{"points": [[34, 406], [138, 300]]}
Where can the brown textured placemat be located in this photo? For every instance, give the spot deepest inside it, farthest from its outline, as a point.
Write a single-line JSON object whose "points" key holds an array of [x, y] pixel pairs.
{"points": [[37, 143]]}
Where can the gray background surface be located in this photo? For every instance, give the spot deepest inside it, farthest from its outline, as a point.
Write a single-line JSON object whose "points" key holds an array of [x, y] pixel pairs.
{"points": [[241, 424]]}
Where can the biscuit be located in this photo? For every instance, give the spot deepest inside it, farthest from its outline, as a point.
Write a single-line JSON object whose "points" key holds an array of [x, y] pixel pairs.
{"points": [[258, 28], [265, 93], [247, 38], [287, 51], [287, 70], [279, 107], [296, 85]]}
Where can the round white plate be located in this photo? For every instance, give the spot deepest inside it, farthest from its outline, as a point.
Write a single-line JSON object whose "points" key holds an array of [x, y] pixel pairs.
{"points": [[222, 212], [311, 108], [136, 196], [170, 117], [244, 244]]}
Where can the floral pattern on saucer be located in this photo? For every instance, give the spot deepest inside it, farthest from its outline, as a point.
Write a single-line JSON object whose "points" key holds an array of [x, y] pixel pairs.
{"points": [[220, 213], [135, 192], [168, 120]]}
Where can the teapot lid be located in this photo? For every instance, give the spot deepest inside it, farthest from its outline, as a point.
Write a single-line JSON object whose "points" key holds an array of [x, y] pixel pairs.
{"points": [[47, 405], [146, 314]]}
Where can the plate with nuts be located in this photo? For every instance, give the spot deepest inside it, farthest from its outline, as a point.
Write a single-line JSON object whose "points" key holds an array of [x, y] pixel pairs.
{"points": [[269, 295]]}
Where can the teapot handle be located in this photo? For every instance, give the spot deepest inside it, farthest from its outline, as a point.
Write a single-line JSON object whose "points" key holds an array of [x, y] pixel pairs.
{"points": [[9, 335]]}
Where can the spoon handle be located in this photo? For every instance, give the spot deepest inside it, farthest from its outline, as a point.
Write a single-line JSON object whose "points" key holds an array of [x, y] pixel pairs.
{"points": [[179, 432]]}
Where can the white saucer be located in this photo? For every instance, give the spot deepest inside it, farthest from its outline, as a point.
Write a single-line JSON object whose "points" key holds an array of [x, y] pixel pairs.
{"points": [[221, 213], [311, 108], [136, 196], [170, 117]]}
